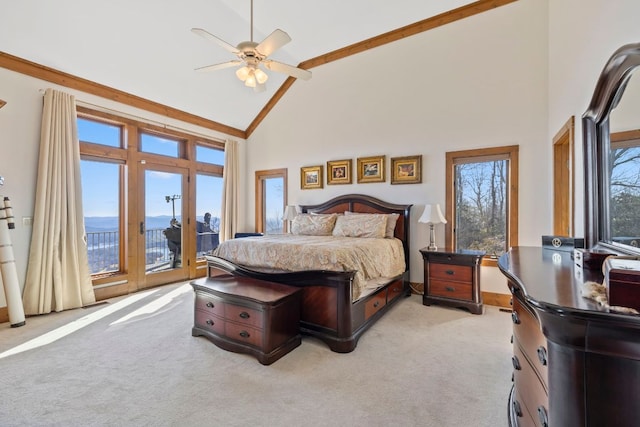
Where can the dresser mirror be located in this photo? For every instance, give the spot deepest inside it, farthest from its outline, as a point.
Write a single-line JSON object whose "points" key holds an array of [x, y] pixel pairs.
{"points": [[611, 129]]}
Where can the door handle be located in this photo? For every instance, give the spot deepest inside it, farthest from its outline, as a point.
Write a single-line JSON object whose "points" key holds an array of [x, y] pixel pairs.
{"points": [[141, 227]]}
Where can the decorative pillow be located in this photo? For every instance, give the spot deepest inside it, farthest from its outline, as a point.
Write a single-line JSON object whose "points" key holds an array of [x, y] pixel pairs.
{"points": [[391, 221], [313, 225], [372, 226]]}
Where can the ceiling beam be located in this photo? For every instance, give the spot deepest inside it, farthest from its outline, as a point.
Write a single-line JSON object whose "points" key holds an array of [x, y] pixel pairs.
{"points": [[382, 39]]}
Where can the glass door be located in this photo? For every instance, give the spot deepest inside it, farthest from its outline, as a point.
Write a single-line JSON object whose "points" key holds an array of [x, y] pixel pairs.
{"points": [[163, 235]]}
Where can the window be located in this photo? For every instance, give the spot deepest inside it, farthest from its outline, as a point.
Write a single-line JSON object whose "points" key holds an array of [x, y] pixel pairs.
{"points": [[271, 199], [482, 200], [159, 145]]}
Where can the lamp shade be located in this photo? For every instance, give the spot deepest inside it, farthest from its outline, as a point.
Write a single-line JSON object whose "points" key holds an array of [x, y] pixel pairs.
{"points": [[290, 212], [432, 215]]}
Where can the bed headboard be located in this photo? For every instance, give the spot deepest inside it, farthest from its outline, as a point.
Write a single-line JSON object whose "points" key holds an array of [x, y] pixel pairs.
{"points": [[368, 204]]}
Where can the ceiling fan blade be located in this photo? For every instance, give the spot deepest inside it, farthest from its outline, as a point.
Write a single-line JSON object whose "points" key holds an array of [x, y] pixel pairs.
{"points": [[207, 35], [298, 73], [215, 67], [273, 42]]}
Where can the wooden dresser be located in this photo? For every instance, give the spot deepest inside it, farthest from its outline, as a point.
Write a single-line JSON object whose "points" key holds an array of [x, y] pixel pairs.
{"points": [[575, 363], [452, 279], [246, 315]]}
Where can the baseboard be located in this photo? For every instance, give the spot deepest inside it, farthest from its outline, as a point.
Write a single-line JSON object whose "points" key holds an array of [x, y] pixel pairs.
{"points": [[496, 299], [489, 298], [4, 314]]}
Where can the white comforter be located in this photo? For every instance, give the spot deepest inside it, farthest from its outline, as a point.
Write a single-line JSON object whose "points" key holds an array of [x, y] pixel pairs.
{"points": [[370, 258]]}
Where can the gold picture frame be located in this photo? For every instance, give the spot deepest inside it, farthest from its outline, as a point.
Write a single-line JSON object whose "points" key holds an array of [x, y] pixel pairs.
{"points": [[339, 172], [311, 177], [406, 170], [371, 169]]}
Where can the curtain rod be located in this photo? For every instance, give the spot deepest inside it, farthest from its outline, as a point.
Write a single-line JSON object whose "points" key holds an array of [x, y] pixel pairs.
{"points": [[141, 119]]}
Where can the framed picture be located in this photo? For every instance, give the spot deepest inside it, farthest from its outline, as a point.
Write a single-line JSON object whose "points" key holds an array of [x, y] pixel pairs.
{"points": [[406, 170], [311, 177], [371, 169], [339, 172]]}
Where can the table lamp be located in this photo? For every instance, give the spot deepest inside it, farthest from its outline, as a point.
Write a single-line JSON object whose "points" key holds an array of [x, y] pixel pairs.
{"points": [[290, 212], [432, 215]]}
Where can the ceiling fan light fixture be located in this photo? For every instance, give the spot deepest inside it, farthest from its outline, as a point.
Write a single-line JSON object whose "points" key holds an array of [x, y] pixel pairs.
{"points": [[243, 73], [251, 79], [261, 76]]}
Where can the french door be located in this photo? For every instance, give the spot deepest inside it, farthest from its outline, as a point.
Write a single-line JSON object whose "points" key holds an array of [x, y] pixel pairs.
{"points": [[163, 225]]}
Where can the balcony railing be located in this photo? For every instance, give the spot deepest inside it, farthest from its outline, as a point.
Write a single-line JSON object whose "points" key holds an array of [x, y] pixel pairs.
{"points": [[103, 248]]}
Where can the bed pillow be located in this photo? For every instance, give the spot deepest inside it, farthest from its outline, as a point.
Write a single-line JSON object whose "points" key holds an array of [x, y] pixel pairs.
{"points": [[392, 219], [372, 226], [313, 225]]}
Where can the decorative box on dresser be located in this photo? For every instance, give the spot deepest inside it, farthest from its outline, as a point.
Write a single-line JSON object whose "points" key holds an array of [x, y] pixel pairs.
{"points": [[246, 315], [452, 278], [576, 363]]}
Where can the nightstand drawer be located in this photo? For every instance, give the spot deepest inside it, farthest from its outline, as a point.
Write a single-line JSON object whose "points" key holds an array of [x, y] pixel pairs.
{"points": [[449, 289], [209, 304], [460, 273], [244, 334], [205, 320]]}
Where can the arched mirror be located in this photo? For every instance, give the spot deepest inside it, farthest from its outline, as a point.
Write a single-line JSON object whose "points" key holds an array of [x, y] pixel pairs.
{"points": [[611, 129]]}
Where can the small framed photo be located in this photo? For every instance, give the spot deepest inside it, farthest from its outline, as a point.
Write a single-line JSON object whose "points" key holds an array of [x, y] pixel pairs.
{"points": [[311, 177], [339, 172], [406, 170], [371, 169]]}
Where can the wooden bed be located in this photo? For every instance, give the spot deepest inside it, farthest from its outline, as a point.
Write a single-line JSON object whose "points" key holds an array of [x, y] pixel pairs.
{"points": [[328, 312]]}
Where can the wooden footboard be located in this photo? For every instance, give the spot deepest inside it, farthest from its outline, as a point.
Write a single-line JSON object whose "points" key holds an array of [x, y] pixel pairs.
{"points": [[327, 310]]}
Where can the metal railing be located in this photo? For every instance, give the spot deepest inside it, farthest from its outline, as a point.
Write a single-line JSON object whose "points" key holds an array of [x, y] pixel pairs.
{"points": [[103, 249]]}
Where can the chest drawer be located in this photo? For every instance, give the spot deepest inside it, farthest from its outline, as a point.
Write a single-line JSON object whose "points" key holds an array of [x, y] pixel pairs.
{"points": [[459, 273], [449, 289], [529, 337], [207, 320], [244, 315], [532, 393], [243, 333], [209, 304]]}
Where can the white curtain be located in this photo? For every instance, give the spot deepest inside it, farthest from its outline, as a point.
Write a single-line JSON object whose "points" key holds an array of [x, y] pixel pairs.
{"points": [[229, 220], [58, 275]]}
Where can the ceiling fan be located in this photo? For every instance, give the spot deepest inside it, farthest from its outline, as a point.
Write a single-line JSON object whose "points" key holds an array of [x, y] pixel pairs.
{"points": [[254, 56]]}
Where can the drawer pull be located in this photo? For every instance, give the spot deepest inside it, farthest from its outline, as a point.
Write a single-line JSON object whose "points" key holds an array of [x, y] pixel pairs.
{"points": [[244, 334], [244, 315], [511, 341], [542, 355], [517, 409], [396, 290], [450, 272], [515, 317], [516, 363], [210, 304], [450, 289], [542, 416], [210, 322], [376, 304]]}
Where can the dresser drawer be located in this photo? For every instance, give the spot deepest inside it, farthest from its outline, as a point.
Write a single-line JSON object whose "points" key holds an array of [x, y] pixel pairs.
{"points": [[449, 289], [209, 304], [459, 273], [243, 334], [529, 337], [210, 322], [532, 394], [524, 418], [244, 315], [374, 304]]}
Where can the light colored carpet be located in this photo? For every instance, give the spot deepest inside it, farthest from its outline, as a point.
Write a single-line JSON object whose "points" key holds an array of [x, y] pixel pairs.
{"points": [[418, 366]]}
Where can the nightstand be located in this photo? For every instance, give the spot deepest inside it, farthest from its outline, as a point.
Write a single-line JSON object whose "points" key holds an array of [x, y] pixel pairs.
{"points": [[452, 279]]}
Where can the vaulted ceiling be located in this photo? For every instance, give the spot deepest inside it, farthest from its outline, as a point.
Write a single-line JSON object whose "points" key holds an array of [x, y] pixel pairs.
{"points": [[145, 48]]}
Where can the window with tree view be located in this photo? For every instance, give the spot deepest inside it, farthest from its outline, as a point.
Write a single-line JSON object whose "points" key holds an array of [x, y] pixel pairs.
{"points": [[482, 196]]}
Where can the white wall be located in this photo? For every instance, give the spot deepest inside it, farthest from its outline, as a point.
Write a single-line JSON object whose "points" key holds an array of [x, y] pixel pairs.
{"points": [[480, 82], [20, 140], [582, 37]]}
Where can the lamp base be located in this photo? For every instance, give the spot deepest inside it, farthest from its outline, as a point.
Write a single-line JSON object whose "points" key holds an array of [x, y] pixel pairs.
{"points": [[432, 239]]}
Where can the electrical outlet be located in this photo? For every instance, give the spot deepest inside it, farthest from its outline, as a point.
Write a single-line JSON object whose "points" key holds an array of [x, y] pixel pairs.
{"points": [[27, 221]]}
